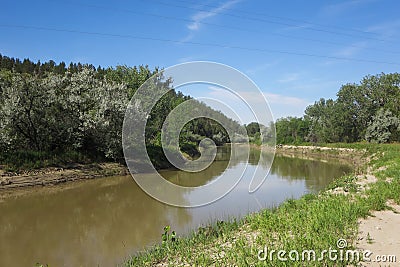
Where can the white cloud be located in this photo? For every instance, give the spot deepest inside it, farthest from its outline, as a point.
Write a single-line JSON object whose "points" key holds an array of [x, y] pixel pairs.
{"points": [[202, 15], [281, 105], [187, 37], [285, 100], [284, 106], [191, 58], [387, 29], [298, 27], [221, 93], [290, 77], [199, 17], [343, 7], [351, 50], [262, 67]]}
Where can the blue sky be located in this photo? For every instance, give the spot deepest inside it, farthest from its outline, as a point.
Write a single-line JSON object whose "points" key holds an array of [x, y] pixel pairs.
{"points": [[294, 51]]}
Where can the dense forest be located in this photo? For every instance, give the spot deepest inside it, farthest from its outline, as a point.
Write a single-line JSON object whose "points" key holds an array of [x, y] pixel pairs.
{"points": [[53, 113], [368, 111]]}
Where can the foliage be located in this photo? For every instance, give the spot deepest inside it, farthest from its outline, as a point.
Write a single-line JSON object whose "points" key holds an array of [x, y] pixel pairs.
{"points": [[48, 108], [382, 126], [168, 236], [253, 128], [365, 111], [254, 133], [73, 111], [292, 130]]}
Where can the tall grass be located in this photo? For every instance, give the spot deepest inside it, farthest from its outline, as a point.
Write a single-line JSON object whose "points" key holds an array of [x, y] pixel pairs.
{"points": [[27, 160]]}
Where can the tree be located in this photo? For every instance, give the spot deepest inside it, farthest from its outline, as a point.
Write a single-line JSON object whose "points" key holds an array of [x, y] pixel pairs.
{"points": [[325, 121], [253, 128], [382, 127], [292, 130]]}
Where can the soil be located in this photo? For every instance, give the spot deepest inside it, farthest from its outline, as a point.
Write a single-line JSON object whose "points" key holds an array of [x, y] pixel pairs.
{"points": [[13, 183]]}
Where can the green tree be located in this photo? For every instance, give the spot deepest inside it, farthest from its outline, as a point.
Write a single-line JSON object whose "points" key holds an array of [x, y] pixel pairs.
{"points": [[382, 127], [291, 130]]}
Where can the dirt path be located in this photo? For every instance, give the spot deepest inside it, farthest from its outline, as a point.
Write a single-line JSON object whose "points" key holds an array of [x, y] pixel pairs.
{"points": [[380, 234]]}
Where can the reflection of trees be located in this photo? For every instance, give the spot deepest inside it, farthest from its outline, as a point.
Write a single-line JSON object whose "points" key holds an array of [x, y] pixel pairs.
{"points": [[222, 160], [192, 179], [315, 173], [95, 224], [254, 156]]}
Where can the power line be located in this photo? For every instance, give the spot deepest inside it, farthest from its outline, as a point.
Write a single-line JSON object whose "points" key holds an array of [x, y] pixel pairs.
{"points": [[271, 51], [283, 18], [273, 22], [232, 28]]}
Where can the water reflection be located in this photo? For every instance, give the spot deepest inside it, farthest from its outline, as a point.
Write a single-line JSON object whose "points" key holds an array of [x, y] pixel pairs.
{"points": [[101, 222], [314, 173]]}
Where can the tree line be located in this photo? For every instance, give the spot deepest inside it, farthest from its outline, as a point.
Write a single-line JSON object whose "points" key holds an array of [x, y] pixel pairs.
{"points": [[367, 111], [76, 111]]}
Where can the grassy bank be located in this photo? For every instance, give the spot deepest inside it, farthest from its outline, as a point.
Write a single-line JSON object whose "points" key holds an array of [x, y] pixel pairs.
{"points": [[313, 222]]}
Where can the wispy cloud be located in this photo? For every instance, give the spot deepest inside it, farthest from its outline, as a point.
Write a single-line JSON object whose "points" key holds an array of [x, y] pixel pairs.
{"points": [[283, 106], [203, 15], [297, 27], [343, 7], [192, 58], [262, 67], [351, 50], [285, 100], [199, 17], [290, 77], [221, 93], [386, 29]]}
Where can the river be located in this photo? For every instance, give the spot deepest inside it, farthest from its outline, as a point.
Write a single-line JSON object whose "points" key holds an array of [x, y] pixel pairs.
{"points": [[102, 222]]}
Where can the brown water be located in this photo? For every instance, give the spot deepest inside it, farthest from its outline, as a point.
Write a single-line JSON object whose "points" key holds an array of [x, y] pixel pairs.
{"points": [[102, 222]]}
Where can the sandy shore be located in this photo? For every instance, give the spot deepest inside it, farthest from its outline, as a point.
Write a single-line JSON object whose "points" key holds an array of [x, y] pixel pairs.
{"points": [[380, 235]]}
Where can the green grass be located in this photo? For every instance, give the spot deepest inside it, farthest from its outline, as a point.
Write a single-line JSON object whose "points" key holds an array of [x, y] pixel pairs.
{"points": [[28, 160], [312, 222], [346, 182]]}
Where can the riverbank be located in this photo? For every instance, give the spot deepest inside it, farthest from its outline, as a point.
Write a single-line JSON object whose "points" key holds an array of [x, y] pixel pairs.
{"points": [[71, 169], [10, 182], [332, 220], [355, 158]]}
